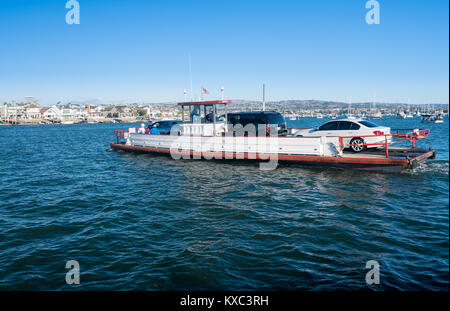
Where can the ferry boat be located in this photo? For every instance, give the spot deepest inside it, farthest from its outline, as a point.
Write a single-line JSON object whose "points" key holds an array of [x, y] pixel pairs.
{"points": [[196, 138]]}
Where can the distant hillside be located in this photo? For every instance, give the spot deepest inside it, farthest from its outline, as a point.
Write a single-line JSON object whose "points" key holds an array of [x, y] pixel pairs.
{"points": [[315, 104]]}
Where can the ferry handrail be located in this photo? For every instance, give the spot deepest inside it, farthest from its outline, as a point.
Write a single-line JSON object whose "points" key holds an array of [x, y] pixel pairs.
{"points": [[412, 132], [412, 136], [120, 133]]}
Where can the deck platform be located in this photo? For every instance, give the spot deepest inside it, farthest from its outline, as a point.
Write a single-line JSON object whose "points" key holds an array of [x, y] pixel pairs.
{"points": [[399, 159]]}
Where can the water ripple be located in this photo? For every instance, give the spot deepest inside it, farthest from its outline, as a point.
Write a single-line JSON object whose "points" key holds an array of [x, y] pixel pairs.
{"points": [[137, 221]]}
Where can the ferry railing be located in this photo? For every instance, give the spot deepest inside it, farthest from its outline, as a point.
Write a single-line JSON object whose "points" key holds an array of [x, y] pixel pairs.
{"points": [[120, 133], [411, 135]]}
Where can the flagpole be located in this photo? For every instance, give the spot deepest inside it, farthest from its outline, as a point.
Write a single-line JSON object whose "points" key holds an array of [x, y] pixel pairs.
{"points": [[190, 74]]}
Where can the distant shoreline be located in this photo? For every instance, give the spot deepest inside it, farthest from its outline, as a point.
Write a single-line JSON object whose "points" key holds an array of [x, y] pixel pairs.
{"points": [[71, 122]]}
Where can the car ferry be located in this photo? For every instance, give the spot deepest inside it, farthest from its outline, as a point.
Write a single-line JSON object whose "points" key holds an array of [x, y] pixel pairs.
{"points": [[208, 131]]}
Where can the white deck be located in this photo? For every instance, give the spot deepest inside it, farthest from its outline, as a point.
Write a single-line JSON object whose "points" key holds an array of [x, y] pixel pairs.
{"points": [[317, 146]]}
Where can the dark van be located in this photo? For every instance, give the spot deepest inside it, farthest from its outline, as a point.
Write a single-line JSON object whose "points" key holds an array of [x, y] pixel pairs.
{"points": [[272, 120]]}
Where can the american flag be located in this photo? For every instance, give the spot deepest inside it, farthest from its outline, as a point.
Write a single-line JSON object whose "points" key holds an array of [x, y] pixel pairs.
{"points": [[204, 91]]}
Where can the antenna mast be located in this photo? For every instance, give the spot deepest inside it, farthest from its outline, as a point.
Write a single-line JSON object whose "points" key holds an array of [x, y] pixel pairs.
{"points": [[350, 107], [264, 97], [190, 74]]}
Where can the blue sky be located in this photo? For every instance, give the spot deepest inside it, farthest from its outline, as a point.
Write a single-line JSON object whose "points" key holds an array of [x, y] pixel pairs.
{"points": [[137, 51]]}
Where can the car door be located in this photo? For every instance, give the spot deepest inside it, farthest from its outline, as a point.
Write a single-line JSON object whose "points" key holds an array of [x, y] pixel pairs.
{"points": [[344, 129], [355, 129]]}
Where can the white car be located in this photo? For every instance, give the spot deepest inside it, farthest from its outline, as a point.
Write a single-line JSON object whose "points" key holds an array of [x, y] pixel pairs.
{"points": [[356, 128]]}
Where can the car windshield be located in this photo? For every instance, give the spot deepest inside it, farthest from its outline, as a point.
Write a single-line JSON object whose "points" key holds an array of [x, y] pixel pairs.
{"points": [[368, 124]]}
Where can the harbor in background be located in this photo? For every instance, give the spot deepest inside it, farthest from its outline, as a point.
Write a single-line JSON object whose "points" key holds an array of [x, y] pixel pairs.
{"points": [[30, 112]]}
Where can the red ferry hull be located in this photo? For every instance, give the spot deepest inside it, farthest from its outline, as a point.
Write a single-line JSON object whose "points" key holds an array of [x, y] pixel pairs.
{"points": [[360, 162]]}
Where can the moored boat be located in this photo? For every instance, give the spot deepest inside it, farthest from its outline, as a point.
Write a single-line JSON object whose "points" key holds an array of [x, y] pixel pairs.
{"points": [[433, 118]]}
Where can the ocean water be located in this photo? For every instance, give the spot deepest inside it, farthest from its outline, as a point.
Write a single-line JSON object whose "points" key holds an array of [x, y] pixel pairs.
{"points": [[147, 222]]}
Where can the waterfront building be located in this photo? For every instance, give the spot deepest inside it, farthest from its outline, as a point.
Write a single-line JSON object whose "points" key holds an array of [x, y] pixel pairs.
{"points": [[16, 112], [32, 112], [96, 112], [4, 111], [51, 113]]}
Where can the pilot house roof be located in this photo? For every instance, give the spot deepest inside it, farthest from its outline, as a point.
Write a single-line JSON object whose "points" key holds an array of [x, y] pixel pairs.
{"points": [[204, 103]]}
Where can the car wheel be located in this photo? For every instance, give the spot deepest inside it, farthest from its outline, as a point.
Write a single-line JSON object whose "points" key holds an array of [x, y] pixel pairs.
{"points": [[357, 145]]}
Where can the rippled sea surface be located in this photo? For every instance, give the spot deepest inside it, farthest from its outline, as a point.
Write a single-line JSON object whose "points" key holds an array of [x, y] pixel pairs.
{"points": [[147, 222]]}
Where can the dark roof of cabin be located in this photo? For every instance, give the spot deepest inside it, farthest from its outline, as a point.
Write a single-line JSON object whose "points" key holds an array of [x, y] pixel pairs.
{"points": [[203, 103]]}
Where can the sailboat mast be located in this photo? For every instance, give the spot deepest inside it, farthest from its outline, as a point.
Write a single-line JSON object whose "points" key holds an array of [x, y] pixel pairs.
{"points": [[349, 107]]}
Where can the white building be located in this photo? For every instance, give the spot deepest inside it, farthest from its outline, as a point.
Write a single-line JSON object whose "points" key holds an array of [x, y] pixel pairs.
{"points": [[96, 112], [72, 111], [16, 112], [51, 113], [32, 113], [4, 111], [80, 112]]}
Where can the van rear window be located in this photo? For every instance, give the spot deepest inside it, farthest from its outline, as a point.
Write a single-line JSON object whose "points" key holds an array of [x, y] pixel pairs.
{"points": [[275, 118]]}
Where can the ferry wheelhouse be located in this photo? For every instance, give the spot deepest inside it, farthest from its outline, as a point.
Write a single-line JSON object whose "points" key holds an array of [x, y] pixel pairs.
{"points": [[207, 133]]}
